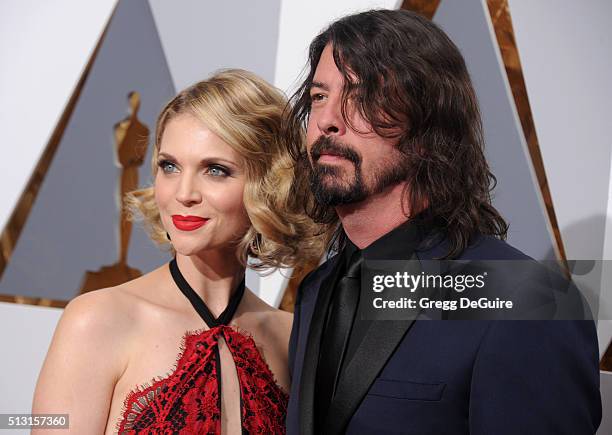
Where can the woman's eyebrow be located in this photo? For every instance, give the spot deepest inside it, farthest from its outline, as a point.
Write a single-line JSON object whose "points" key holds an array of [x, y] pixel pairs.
{"points": [[166, 156], [204, 161]]}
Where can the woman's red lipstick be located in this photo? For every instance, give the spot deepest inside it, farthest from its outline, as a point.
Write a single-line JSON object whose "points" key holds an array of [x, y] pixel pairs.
{"points": [[188, 223]]}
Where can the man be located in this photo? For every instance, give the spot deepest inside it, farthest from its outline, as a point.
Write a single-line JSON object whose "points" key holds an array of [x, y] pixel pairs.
{"points": [[394, 158]]}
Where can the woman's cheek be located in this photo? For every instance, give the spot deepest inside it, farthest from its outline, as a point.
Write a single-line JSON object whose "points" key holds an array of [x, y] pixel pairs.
{"points": [[163, 196], [228, 200]]}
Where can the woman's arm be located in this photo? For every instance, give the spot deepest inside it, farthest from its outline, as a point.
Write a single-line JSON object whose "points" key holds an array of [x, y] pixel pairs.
{"points": [[282, 325], [83, 364]]}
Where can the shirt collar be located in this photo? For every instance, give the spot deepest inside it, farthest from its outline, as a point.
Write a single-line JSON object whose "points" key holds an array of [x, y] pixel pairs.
{"points": [[399, 243]]}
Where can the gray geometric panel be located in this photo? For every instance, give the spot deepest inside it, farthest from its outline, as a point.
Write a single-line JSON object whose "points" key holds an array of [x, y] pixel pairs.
{"points": [[200, 37], [517, 193], [73, 224], [566, 55]]}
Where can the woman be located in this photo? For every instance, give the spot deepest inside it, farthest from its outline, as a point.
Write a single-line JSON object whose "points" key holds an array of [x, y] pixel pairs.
{"points": [[186, 348]]}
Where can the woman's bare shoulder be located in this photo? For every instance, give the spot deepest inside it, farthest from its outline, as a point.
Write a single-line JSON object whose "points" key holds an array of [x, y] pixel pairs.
{"points": [[272, 320], [281, 319], [95, 312], [110, 311], [89, 352]]}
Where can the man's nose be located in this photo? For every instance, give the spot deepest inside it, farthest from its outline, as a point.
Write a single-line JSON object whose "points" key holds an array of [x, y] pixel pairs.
{"points": [[330, 120]]}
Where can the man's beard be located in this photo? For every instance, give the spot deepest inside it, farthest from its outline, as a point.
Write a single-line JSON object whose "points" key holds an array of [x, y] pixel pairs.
{"points": [[330, 190]]}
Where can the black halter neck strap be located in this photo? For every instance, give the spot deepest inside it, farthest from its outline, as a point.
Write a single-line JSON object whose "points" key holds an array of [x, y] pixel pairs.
{"points": [[198, 303]]}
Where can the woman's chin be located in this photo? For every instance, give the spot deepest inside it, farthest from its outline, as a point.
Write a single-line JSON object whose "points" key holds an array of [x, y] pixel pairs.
{"points": [[185, 248]]}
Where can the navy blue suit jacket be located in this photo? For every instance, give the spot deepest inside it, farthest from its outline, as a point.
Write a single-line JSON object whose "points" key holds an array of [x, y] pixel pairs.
{"points": [[451, 377]]}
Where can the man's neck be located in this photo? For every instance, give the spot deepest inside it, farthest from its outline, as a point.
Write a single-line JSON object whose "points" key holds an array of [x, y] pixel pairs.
{"points": [[372, 218]]}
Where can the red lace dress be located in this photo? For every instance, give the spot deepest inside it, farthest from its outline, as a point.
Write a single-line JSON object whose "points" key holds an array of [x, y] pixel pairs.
{"points": [[188, 401]]}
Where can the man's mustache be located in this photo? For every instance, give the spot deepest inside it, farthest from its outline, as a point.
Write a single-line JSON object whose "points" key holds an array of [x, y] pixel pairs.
{"points": [[327, 145]]}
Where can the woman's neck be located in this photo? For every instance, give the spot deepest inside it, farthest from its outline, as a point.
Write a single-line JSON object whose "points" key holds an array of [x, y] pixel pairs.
{"points": [[213, 275]]}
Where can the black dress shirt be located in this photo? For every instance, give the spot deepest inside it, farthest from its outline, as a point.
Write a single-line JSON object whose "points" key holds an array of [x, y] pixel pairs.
{"points": [[399, 243]]}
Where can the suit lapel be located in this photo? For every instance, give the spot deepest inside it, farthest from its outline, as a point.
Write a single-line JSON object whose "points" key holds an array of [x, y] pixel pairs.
{"points": [[379, 342], [311, 355], [377, 346]]}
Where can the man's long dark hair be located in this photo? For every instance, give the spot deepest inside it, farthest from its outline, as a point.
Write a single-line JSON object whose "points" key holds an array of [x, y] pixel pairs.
{"points": [[409, 81]]}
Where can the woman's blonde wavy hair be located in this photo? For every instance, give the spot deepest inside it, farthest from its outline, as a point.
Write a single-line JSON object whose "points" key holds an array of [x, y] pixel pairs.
{"points": [[247, 113]]}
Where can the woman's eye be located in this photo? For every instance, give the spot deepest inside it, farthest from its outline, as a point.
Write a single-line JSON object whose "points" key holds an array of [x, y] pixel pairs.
{"points": [[217, 171], [167, 166]]}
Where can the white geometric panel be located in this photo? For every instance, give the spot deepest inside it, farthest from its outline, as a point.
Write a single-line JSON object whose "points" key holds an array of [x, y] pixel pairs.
{"points": [[72, 226], [44, 47], [26, 332], [300, 22]]}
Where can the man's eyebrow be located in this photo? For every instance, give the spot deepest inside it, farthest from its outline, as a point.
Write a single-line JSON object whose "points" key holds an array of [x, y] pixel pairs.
{"points": [[319, 85]]}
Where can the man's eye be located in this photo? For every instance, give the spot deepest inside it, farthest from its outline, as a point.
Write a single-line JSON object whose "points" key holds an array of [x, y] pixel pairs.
{"points": [[317, 97], [167, 166]]}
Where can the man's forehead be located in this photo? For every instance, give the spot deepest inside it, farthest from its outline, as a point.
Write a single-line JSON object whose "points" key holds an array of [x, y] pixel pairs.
{"points": [[326, 73]]}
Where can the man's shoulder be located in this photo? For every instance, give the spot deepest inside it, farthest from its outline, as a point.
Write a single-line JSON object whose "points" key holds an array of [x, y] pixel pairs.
{"points": [[481, 247], [311, 282], [487, 247], [540, 291]]}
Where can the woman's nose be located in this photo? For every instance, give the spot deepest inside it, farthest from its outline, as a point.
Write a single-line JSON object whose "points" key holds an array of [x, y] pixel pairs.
{"points": [[188, 192]]}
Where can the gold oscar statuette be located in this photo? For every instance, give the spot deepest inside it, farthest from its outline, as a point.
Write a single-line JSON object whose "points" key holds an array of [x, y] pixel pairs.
{"points": [[131, 139]]}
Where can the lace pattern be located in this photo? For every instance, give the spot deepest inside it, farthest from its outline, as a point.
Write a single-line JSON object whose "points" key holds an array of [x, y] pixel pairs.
{"points": [[187, 401]]}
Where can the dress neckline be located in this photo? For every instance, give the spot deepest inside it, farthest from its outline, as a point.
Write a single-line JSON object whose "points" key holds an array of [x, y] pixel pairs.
{"points": [[198, 303]]}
